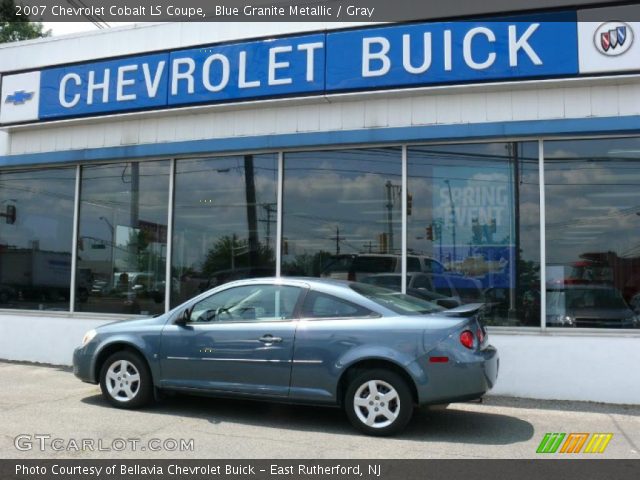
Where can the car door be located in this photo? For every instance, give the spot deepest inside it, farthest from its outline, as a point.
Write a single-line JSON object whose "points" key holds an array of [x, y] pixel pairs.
{"points": [[237, 340]]}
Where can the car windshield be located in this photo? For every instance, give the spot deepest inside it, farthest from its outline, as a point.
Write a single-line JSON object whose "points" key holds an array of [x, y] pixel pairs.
{"points": [[397, 302]]}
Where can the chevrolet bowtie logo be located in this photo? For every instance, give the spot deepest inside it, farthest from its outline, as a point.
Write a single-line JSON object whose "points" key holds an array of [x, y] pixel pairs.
{"points": [[19, 97]]}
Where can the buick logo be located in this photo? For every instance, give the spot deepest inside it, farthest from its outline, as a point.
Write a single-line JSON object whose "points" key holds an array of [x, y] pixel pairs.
{"points": [[613, 38]]}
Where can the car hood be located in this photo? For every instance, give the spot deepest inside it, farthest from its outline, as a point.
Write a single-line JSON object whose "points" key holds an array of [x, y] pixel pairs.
{"points": [[132, 323]]}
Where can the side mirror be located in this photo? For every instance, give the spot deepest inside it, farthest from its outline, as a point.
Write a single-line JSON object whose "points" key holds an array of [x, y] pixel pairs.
{"points": [[183, 318]]}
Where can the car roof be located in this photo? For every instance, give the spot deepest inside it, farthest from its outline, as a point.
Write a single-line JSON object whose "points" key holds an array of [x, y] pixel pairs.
{"points": [[308, 281]]}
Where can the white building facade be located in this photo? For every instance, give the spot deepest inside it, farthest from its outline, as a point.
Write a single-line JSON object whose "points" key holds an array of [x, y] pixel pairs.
{"points": [[141, 166]]}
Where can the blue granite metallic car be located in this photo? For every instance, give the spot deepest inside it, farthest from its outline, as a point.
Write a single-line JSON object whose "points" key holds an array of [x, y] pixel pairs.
{"points": [[372, 351]]}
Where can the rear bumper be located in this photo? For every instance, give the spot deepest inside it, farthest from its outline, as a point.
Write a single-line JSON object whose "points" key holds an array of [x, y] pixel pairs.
{"points": [[466, 377]]}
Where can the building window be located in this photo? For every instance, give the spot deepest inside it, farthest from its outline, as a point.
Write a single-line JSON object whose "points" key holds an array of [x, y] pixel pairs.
{"points": [[474, 217], [225, 220], [36, 225], [342, 214], [122, 243], [593, 233]]}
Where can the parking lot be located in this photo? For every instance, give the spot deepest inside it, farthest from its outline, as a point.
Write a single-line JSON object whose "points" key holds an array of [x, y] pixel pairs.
{"points": [[50, 401]]}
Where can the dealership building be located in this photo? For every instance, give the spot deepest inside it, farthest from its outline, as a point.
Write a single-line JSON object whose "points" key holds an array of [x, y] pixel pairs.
{"points": [[495, 160]]}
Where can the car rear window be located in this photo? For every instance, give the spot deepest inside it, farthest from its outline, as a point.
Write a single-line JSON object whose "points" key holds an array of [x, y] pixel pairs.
{"points": [[394, 301]]}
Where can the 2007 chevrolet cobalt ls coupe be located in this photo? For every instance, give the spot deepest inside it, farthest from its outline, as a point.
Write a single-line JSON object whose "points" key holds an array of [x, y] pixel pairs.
{"points": [[375, 352]]}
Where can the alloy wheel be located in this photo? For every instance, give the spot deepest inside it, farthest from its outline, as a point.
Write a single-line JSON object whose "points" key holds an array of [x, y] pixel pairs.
{"points": [[376, 404], [123, 381]]}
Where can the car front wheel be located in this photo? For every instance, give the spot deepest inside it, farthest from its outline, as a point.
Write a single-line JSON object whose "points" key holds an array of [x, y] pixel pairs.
{"points": [[379, 402], [125, 380]]}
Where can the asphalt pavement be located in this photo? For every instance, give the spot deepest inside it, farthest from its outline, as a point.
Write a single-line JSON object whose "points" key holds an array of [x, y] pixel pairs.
{"points": [[44, 406]]}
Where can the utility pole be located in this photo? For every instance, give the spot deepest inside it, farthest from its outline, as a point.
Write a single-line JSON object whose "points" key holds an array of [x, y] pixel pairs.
{"points": [[453, 219], [270, 209], [337, 238], [252, 216], [392, 191]]}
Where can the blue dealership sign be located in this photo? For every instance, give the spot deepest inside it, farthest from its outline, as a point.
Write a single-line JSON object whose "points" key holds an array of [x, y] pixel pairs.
{"points": [[135, 83], [395, 56], [269, 68], [452, 52]]}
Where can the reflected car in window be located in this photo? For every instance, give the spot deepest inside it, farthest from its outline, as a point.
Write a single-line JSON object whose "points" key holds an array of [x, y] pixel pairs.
{"points": [[372, 351], [589, 306], [419, 285], [357, 267]]}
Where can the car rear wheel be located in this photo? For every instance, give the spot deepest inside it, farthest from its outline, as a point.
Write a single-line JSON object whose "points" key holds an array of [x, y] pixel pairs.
{"points": [[125, 380], [378, 402]]}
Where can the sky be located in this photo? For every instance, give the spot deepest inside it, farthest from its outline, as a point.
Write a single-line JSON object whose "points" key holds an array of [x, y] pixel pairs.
{"points": [[64, 28]]}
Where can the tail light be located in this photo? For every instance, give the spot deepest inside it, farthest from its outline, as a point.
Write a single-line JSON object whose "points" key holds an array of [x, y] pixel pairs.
{"points": [[466, 339], [480, 335]]}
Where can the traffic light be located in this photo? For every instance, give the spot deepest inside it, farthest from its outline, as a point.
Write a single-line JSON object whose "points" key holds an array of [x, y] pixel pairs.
{"points": [[409, 203], [430, 232], [11, 214]]}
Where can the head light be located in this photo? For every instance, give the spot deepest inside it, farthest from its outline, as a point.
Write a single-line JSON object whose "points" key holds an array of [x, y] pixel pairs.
{"points": [[88, 337]]}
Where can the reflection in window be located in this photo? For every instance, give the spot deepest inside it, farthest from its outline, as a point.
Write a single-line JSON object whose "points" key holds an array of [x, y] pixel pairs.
{"points": [[225, 218], [475, 211], [36, 225], [342, 213], [593, 233], [122, 243]]}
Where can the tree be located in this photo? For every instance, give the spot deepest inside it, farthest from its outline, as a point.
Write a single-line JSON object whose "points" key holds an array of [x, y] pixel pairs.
{"points": [[14, 27]]}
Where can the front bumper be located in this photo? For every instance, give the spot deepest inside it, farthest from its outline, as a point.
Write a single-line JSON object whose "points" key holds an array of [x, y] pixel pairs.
{"points": [[466, 377], [83, 364]]}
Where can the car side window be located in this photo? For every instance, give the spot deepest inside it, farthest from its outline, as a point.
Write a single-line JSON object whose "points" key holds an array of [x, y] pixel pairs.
{"points": [[413, 264], [321, 305], [247, 303], [422, 281]]}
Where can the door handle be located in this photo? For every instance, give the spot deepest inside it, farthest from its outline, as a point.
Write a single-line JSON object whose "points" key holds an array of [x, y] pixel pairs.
{"points": [[270, 339]]}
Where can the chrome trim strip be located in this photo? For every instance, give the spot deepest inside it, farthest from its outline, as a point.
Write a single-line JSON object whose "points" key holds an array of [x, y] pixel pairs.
{"points": [[279, 197], [543, 239], [249, 360], [74, 240], [169, 247], [404, 195]]}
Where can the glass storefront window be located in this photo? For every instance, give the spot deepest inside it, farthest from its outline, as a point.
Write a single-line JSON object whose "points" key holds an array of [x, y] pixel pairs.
{"points": [[342, 214], [122, 243], [593, 231], [225, 221], [474, 215], [36, 226]]}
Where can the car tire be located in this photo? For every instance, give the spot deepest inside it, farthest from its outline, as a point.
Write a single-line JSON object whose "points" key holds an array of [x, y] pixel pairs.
{"points": [[381, 391], [125, 380]]}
